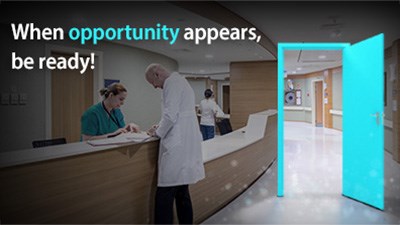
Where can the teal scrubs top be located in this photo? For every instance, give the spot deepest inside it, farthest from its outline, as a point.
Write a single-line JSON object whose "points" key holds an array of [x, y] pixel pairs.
{"points": [[96, 121]]}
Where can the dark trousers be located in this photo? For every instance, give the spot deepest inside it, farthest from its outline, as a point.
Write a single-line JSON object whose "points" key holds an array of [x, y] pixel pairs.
{"points": [[165, 197], [208, 132]]}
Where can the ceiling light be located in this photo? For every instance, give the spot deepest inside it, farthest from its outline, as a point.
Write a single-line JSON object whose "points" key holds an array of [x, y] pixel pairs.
{"points": [[209, 56], [294, 72], [298, 68], [336, 34], [322, 57]]}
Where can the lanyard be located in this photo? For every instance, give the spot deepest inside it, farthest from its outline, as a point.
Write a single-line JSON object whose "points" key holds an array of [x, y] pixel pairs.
{"points": [[109, 114]]}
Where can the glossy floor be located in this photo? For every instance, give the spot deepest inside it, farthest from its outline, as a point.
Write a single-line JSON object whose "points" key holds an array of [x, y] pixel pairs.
{"points": [[313, 172]]}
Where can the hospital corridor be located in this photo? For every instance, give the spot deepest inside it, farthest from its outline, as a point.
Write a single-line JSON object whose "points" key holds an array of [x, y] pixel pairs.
{"points": [[313, 185]]}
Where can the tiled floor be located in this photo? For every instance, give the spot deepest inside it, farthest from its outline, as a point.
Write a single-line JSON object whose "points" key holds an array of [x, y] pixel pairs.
{"points": [[313, 170]]}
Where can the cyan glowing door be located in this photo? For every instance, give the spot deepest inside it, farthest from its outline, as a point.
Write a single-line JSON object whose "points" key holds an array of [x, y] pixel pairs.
{"points": [[362, 102], [363, 149]]}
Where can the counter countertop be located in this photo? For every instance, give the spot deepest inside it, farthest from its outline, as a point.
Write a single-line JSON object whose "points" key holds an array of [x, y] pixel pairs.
{"points": [[212, 149]]}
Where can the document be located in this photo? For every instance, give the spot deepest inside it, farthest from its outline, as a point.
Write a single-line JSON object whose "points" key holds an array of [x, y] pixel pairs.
{"points": [[122, 139]]}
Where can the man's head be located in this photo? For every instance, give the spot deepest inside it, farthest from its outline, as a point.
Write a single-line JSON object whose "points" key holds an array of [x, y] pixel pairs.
{"points": [[156, 75]]}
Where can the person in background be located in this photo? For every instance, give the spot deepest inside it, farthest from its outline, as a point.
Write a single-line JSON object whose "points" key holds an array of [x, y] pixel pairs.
{"points": [[208, 109], [180, 160], [105, 119]]}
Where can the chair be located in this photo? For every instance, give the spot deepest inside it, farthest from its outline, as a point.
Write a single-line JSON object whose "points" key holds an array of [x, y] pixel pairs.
{"points": [[224, 126], [44, 143]]}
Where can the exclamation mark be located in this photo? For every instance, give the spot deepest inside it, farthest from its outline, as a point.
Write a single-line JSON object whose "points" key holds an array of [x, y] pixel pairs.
{"points": [[92, 60]]}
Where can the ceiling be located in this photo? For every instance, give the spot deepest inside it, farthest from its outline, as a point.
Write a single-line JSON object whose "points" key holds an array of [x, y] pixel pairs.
{"points": [[194, 59], [279, 21], [348, 22], [302, 62]]}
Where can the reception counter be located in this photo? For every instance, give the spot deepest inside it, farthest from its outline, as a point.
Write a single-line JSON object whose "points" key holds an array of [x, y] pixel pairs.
{"points": [[79, 183]]}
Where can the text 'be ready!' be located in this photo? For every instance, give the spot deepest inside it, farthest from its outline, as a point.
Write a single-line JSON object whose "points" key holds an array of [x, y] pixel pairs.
{"points": [[70, 62]]}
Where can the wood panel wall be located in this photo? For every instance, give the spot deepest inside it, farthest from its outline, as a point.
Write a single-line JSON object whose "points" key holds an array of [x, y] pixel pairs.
{"points": [[253, 88], [72, 95]]}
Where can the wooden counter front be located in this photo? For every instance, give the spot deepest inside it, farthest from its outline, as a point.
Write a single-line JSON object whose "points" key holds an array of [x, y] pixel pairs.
{"points": [[114, 186], [118, 185], [230, 175]]}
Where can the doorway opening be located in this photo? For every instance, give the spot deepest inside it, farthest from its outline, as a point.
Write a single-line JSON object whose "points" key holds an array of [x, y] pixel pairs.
{"points": [[363, 152], [313, 149]]}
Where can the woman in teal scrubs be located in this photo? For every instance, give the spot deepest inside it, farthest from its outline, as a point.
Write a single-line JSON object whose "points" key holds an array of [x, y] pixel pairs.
{"points": [[105, 119]]}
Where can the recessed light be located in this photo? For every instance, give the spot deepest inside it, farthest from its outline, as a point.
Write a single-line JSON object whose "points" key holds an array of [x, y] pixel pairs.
{"points": [[209, 56], [322, 57], [298, 68]]}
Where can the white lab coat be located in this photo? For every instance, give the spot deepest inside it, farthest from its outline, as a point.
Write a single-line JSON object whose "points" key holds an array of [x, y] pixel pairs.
{"points": [[180, 158]]}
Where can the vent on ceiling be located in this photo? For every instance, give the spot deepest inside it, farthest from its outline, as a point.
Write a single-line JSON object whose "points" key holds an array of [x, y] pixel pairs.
{"points": [[333, 25]]}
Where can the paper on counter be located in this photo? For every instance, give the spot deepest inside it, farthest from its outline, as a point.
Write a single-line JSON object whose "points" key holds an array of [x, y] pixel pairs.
{"points": [[121, 139]]}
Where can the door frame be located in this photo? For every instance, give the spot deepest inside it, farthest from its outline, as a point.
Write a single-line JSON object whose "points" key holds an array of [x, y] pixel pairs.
{"points": [[281, 62], [221, 85], [313, 99], [97, 78]]}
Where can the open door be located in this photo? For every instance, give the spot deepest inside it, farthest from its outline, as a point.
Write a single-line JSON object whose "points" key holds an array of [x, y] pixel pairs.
{"points": [[363, 149]]}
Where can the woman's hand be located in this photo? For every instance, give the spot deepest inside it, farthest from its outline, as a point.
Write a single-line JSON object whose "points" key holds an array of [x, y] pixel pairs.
{"points": [[109, 135], [132, 127], [117, 132]]}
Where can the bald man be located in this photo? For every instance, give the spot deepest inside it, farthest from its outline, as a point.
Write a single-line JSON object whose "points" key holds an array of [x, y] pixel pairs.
{"points": [[180, 160]]}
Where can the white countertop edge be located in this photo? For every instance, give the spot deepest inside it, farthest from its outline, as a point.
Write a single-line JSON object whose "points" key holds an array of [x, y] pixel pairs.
{"points": [[223, 145], [24, 156], [209, 147], [293, 108], [336, 112], [225, 116], [296, 108]]}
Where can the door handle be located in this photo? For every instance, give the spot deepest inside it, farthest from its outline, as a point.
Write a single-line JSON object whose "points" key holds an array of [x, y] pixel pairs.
{"points": [[377, 117]]}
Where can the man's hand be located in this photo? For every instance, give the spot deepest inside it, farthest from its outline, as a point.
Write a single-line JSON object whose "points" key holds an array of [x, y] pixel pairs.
{"points": [[152, 131]]}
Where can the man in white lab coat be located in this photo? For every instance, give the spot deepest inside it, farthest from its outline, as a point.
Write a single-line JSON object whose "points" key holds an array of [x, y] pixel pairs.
{"points": [[180, 160]]}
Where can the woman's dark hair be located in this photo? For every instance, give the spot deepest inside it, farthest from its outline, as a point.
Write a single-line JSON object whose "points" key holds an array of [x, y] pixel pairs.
{"points": [[208, 93], [114, 88]]}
